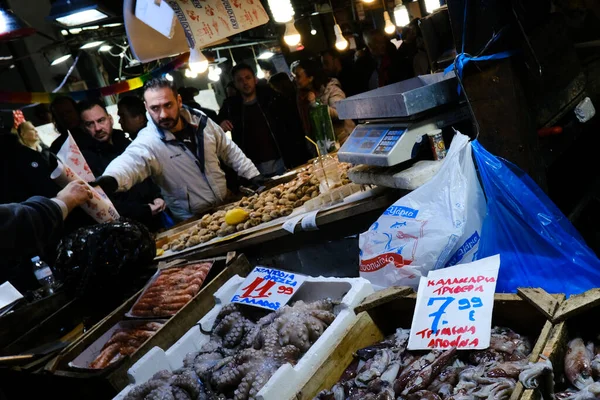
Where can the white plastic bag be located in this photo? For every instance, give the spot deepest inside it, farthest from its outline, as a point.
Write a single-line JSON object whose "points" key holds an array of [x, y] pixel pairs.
{"points": [[435, 226]]}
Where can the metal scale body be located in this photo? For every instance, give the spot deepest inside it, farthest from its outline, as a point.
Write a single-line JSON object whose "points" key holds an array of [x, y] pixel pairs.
{"points": [[394, 121]]}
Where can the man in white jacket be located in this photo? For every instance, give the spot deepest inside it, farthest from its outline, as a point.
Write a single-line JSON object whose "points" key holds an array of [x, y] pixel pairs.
{"points": [[180, 149]]}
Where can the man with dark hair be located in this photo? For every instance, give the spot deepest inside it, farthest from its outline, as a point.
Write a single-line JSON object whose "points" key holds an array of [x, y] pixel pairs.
{"points": [[264, 124], [132, 115], [142, 202], [180, 149], [335, 67]]}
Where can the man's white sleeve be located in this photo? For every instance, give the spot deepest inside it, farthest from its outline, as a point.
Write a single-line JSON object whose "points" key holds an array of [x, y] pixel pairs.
{"points": [[137, 163]]}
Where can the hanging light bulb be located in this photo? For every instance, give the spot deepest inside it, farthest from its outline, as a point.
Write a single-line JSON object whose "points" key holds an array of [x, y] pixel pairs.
{"points": [[169, 77], [431, 5], [389, 28], [313, 31], [281, 10], [401, 15], [190, 74], [265, 55], [368, 1], [212, 74], [340, 41], [197, 62], [292, 36]]}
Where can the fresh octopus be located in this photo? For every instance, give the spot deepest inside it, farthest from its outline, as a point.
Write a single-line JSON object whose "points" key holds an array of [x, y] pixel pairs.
{"points": [[245, 349], [387, 370]]}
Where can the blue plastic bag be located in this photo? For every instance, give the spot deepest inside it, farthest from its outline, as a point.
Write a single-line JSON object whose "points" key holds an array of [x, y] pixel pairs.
{"points": [[537, 244]]}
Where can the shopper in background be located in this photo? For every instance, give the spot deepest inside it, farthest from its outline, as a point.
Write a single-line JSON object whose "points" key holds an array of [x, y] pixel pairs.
{"points": [[142, 202], [66, 120], [341, 69], [310, 77], [263, 124], [230, 90], [188, 95], [28, 136], [180, 149], [132, 115], [282, 84], [382, 64]]}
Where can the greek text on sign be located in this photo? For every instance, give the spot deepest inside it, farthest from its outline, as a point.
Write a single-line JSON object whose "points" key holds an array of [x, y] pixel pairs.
{"points": [[268, 288], [454, 307]]}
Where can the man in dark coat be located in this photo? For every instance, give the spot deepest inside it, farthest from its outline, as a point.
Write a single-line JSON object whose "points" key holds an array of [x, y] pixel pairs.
{"points": [[263, 124]]}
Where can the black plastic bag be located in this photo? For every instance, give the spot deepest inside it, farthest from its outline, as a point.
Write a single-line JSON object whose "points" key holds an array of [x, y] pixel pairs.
{"points": [[103, 258]]}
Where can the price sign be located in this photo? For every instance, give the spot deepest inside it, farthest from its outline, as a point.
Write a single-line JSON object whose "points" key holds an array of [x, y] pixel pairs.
{"points": [[454, 307], [268, 288]]}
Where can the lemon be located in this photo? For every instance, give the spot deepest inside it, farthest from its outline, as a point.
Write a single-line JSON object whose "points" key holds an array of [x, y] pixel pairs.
{"points": [[236, 216], [159, 252]]}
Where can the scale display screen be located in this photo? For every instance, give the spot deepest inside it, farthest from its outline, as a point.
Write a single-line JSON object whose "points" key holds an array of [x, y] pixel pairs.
{"points": [[372, 140]]}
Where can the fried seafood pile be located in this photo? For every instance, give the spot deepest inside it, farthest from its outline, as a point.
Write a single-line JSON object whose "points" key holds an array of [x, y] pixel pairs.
{"points": [[245, 349], [274, 203], [388, 371]]}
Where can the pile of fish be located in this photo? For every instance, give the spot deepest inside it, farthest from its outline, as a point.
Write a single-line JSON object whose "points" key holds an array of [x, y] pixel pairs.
{"points": [[582, 370], [388, 371]]}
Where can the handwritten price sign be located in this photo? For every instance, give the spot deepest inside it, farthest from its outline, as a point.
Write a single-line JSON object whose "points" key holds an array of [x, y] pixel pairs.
{"points": [[454, 307], [268, 288]]}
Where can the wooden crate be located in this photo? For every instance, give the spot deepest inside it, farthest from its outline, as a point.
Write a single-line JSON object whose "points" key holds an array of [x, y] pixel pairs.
{"points": [[575, 316], [384, 311], [116, 376]]}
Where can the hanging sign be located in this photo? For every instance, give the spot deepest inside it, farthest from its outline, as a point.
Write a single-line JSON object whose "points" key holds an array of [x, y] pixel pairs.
{"points": [[268, 288], [454, 307], [207, 21]]}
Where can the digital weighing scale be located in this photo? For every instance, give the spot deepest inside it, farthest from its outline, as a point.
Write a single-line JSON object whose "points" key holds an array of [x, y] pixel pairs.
{"points": [[394, 121]]}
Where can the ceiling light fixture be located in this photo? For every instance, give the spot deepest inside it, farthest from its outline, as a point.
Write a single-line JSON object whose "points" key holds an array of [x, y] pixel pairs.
{"points": [[60, 59], [265, 55], [105, 47], [91, 45], [190, 74], [292, 36], [281, 10], [368, 1], [75, 31], [432, 5], [64, 32], [72, 13], [12, 27], [401, 15], [169, 77], [233, 63], [197, 62], [112, 25], [340, 41]]}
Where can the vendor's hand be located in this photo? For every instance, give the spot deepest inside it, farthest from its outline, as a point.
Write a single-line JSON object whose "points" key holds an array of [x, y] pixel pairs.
{"points": [[258, 180], [157, 206], [107, 183], [226, 125], [75, 194], [311, 97]]}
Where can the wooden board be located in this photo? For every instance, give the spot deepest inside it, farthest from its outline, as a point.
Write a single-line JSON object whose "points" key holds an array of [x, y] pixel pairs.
{"points": [[172, 331], [376, 322]]}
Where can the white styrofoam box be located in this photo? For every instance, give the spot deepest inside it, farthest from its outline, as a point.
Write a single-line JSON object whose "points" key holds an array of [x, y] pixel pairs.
{"points": [[353, 290]]}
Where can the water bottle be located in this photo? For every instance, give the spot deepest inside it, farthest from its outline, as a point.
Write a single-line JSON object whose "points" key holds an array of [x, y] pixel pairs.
{"points": [[44, 275], [322, 128]]}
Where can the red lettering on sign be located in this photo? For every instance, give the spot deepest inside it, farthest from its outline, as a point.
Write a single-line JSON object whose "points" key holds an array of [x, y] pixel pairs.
{"points": [[261, 292], [376, 263]]}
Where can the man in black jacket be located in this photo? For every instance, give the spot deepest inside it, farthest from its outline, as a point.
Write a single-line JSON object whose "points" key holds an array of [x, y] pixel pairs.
{"points": [[263, 124]]}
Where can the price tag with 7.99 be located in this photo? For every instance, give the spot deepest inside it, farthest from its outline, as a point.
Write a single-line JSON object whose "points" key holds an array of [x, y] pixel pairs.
{"points": [[268, 288]]}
